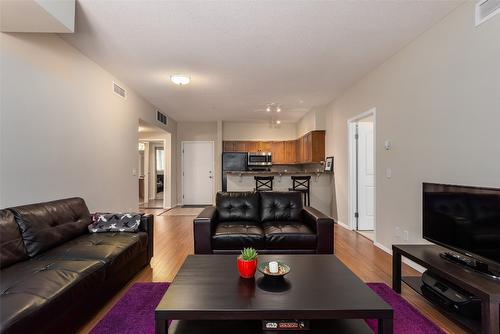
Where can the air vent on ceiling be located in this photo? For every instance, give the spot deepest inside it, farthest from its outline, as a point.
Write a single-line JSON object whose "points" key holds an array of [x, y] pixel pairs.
{"points": [[119, 90], [486, 9], [161, 117]]}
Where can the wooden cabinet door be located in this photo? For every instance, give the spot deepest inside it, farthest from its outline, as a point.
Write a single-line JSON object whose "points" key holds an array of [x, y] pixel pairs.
{"points": [[290, 151], [300, 150], [228, 146], [265, 146], [318, 146], [307, 147], [240, 146], [252, 146], [278, 151]]}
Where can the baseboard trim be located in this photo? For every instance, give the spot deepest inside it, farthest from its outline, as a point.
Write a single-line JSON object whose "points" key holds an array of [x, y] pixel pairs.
{"points": [[347, 227], [412, 264]]}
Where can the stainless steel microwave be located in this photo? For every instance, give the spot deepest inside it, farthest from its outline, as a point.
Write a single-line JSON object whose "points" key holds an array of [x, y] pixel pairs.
{"points": [[263, 159]]}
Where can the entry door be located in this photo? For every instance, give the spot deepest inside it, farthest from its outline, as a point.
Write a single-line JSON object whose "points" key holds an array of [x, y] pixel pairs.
{"points": [[366, 177], [197, 172]]}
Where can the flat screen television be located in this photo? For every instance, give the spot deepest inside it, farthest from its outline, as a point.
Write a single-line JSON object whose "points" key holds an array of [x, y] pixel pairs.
{"points": [[465, 220]]}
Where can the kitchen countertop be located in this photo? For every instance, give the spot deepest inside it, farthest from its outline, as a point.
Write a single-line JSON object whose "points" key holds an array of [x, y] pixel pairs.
{"points": [[299, 172]]}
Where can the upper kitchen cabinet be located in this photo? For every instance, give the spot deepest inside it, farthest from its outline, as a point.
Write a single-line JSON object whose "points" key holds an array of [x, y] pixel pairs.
{"points": [[310, 148], [278, 151], [234, 146], [314, 146]]}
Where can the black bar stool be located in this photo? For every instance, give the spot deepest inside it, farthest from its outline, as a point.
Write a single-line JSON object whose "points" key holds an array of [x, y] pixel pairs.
{"points": [[263, 183], [302, 184]]}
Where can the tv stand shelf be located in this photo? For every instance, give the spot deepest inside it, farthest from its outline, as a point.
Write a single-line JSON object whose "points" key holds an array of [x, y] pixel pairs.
{"points": [[428, 256]]}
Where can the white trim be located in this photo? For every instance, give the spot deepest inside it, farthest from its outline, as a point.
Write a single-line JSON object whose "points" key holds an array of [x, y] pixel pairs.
{"points": [[350, 179], [182, 166], [410, 263], [347, 227], [480, 20]]}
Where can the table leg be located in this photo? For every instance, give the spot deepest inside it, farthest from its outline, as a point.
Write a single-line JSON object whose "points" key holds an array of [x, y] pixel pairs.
{"points": [[396, 271], [490, 317], [385, 326], [161, 326]]}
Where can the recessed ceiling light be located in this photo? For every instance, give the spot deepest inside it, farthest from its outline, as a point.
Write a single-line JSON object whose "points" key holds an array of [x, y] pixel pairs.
{"points": [[180, 79], [268, 109], [278, 109], [278, 122]]}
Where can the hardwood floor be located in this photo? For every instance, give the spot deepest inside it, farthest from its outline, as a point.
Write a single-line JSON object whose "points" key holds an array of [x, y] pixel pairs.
{"points": [[174, 241]]}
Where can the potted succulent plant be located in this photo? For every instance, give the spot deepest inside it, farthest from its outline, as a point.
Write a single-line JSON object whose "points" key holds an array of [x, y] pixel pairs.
{"points": [[247, 262]]}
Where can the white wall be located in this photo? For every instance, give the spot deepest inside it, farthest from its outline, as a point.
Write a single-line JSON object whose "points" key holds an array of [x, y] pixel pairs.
{"points": [[63, 131], [313, 120], [438, 101], [258, 131]]}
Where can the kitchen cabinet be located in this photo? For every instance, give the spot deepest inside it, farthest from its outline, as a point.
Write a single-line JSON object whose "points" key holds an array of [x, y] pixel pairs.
{"points": [[278, 151], [290, 151], [310, 148]]}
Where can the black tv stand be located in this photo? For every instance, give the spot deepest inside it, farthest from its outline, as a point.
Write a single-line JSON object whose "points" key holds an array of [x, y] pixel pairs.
{"points": [[469, 262], [485, 288]]}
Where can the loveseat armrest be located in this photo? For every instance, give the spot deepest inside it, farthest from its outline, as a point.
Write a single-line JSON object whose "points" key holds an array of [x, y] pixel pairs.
{"points": [[147, 225], [323, 226], [203, 225]]}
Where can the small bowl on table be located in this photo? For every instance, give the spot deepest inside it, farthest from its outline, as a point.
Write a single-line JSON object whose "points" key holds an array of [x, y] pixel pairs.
{"points": [[283, 269]]}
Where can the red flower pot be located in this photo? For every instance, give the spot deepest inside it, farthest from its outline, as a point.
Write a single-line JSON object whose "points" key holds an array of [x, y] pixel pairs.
{"points": [[247, 268]]}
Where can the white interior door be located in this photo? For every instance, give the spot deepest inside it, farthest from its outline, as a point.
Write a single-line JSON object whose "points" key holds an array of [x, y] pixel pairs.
{"points": [[197, 172], [366, 177]]}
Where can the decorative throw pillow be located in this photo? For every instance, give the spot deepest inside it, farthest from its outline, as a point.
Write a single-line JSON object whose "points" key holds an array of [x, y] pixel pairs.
{"points": [[115, 222]]}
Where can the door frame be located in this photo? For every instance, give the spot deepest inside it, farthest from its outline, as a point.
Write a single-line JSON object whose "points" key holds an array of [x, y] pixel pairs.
{"points": [[213, 166], [352, 172]]}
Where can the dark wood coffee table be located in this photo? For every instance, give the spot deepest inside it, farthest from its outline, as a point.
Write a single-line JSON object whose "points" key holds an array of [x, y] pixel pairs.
{"points": [[208, 296]]}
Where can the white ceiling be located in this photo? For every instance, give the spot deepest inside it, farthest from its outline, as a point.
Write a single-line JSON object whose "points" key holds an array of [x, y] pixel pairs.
{"points": [[241, 54]]}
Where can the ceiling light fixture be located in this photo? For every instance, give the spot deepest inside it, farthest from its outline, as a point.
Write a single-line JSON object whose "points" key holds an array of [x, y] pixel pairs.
{"points": [[273, 107], [180, 79], [278, 122]]}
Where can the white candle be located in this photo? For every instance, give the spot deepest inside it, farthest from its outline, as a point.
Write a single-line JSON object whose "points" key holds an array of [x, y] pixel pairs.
{"points": [[273, 267]]}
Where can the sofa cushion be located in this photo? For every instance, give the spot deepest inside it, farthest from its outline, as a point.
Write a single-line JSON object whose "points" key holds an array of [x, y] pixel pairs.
{"points": [[11, 244], [288, 235], [46, 225], [238, 234], [281, 206], [113, 249], [237, 206], [33, 291]]}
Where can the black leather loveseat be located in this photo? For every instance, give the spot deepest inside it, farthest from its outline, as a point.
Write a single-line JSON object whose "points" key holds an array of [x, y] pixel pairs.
{"points": [[54, 272], [271, 222]]}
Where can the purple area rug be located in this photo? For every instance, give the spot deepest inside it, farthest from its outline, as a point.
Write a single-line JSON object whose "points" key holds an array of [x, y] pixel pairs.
{"points": [[134, 313], [407, 319]]}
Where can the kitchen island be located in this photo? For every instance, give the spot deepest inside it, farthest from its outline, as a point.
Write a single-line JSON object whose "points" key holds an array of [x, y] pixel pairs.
{"points": [[320, 187]]}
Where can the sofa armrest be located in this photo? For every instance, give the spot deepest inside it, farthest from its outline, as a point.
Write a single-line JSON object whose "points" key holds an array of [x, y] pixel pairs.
{"points": [[147, 225], [323, 226], [202, 227]]}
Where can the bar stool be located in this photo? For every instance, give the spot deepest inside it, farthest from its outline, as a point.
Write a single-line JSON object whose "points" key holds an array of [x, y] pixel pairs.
{"points": [[263, 183], [302, 184]]}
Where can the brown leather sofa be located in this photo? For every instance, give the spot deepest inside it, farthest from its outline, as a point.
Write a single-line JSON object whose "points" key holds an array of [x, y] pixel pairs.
{"points": [[271, 222], [54, 273]]}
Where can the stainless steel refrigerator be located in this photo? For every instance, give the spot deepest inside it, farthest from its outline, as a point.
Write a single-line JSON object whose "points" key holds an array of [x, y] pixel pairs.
{"points": [[232, 161]]}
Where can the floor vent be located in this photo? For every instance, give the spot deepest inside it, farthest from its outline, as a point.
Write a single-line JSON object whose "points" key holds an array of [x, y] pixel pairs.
{"points": [[119, 90], [161, 117], [486, 9]]}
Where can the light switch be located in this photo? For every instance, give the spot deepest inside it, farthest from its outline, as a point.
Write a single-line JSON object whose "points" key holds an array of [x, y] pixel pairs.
{"points": [[387, 145], [388, 173], [134, 172]]}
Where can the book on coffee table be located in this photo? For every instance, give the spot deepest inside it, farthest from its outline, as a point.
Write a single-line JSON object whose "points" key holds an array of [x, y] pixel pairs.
{"points": [[285, 325]]}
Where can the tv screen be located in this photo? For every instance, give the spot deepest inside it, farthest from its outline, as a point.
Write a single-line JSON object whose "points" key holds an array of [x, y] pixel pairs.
{"points": [[464, 219]]}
